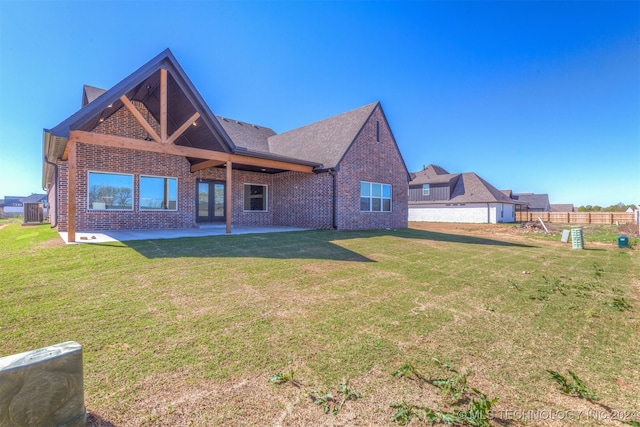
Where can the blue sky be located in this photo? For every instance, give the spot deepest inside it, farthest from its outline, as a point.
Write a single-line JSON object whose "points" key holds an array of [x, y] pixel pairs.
{"points": [[537, 97]]}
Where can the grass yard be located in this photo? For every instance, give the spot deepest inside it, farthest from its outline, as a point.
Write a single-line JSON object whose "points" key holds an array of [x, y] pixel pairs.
{"points": [[189, 331]]}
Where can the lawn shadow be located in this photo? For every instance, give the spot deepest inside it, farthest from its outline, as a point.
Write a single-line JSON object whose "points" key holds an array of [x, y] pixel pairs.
{"points": [[95, 420], [313, 244]]}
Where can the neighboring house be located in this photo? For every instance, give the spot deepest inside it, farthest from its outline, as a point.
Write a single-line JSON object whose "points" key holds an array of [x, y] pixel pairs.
{"points": [[13, 206], [436, 195], [562, 207], [533, 202], [150, 154]]}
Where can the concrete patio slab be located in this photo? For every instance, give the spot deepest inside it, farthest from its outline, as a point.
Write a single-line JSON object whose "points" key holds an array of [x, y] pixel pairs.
{"points": [[206, 230]]}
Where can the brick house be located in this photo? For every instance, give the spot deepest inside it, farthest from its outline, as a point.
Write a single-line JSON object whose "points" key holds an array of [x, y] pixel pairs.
{"points": [[436, 195], [150, 154]]}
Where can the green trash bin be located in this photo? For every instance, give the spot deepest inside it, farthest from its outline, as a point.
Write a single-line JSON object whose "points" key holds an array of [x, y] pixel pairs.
{"points": [[576, 238], [623, 242]]}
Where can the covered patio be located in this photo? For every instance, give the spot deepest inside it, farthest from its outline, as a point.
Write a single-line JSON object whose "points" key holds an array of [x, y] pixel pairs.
{"points": [[202, 231]]}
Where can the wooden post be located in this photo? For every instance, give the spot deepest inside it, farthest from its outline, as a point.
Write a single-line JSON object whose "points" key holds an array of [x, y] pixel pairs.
{"points": [[163, 105], [227, 203], [71, 193]]}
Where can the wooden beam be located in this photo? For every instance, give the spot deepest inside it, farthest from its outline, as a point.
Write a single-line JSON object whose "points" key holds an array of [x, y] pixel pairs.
{"points": [[191, 120], [72, 203], [227, 204], [65, 155], [138, 144], [138, 115], [206, 164], [163, 105], [178, 150], [270, 164]]}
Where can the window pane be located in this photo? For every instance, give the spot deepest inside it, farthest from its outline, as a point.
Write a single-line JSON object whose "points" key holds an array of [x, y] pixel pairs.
{"points": [[375, 205], [203, 199], [365, 189], [386, 205], [255, 197], [386, 190], [218, 202], [158, 193], [364, 204], [425, 189], [375, 190], [110, 191]]}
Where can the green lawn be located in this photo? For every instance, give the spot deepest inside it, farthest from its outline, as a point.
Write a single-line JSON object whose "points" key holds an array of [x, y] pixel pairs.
{"points": [[189, 331]]}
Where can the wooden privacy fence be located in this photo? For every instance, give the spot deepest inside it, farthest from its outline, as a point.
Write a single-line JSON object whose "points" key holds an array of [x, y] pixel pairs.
{"points": [[33, 212], [579, 217]]}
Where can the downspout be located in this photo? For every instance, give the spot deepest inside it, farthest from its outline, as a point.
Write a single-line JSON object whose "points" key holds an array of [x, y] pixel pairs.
{"points": [[333, 174], [55, 199], [488, 214]]}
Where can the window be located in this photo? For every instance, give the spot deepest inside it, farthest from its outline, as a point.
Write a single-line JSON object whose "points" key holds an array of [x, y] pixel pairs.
{"points": [[255, 197], [375, 197], [158, 193], [425, 189], [110, 191], [377, 130]]}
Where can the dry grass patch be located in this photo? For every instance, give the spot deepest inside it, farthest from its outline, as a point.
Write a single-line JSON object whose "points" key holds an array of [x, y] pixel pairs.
{"points": [[188, 331]]}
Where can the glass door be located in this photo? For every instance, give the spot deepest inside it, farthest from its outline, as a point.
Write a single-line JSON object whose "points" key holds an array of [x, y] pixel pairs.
{"points": [[210, 201]]}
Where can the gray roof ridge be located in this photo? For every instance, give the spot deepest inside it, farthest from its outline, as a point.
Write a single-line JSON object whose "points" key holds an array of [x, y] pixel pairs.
{"points": [[334, 117]]}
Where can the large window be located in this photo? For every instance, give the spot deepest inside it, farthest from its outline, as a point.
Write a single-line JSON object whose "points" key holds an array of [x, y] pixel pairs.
{"points": [[110, 191], [255, 197], [425, 189], [158, 193], [375, 197]]}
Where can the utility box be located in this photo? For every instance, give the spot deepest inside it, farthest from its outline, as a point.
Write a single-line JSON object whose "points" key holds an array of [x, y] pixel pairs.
{"points": [[623, 242], [43, 387], [577, 241]]}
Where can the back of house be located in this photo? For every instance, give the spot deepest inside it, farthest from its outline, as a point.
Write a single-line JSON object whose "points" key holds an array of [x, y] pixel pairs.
{"points": [[150, 154]]}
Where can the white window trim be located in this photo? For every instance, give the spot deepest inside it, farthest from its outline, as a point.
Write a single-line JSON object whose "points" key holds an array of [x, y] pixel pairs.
{"points": [[266, 197], [133, 191], [427, 188], [382, 198], [140, 193]]}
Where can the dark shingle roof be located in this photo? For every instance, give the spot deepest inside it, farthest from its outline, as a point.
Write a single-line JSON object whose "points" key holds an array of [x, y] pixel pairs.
{"points": [[251, 137], [325, 141], [470, 188], [34, 198], [534, 201], [90, 93], [433, 174], [562, 207]]}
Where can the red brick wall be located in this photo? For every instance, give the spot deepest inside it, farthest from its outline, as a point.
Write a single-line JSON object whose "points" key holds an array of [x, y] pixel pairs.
{"points": [[303, 200], [373, 161], [294, 198], [239, 178]]}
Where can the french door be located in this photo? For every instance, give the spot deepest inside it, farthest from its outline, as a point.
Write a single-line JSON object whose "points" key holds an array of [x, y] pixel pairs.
{"points": [[210, 201]]}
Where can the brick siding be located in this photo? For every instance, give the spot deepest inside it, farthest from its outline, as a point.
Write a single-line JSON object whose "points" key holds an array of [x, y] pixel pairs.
{"points": [[294, 198], [373, 161]]}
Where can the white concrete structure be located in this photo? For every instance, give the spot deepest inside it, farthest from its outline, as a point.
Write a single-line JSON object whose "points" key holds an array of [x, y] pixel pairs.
{"points": [[471, 212], [438, 196]]}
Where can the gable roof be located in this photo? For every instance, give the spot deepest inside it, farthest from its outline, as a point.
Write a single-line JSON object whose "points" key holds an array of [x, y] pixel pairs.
{"points": [[34, 198], [142, 85], [246, 135], [90, 94], [562, 207], [325, 141], [433, 174], [470, 188], [534, 201], [321, 145]]}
